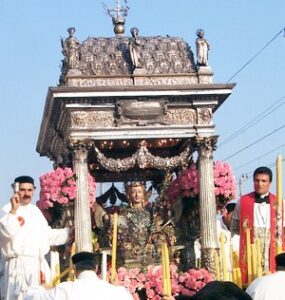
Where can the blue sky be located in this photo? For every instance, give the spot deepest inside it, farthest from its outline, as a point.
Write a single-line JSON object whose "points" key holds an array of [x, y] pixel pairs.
{"points": [[236, 29]]}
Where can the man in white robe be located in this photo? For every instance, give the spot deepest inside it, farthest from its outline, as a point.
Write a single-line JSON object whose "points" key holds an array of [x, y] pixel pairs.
{"points": [[87, 285], [223, 226], [25, 239], [270, 287]]}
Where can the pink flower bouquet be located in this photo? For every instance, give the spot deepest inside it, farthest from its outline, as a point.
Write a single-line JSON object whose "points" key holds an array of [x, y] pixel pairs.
{"points": [[60, 186], [187, 183]]}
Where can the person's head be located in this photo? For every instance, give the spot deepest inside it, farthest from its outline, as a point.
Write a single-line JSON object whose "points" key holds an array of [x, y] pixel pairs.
{"points": [[134, 31], [183, 297], [26, 189], [136, 194], [227, 217], [71, 31], [280, 262], [262, 178], [200, 33], [221, 290], [84, 261]]}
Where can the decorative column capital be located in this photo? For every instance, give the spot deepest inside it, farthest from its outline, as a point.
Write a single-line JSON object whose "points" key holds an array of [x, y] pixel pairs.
{"points": [[80, 149], [205, 145], [86, 144]]}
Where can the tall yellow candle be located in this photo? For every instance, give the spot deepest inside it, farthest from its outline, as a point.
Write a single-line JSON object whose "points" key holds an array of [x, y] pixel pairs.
{"points": [[248, 256], [279, 203], [217, 265], [254, 260], [232, 256], [224, 259], [166, 270], [71, 275], [234, 277], [57, 278], [238, 277], [114, 247], [258, 258], [163, 262], [236, 259]]}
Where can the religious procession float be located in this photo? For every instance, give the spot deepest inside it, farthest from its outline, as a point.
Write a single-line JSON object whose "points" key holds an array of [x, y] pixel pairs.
{"points": [[138, 110]]}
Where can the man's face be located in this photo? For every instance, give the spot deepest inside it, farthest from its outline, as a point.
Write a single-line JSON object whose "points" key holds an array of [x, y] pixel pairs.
{"points": [[26, 192], [261, 183], [227, 219]]}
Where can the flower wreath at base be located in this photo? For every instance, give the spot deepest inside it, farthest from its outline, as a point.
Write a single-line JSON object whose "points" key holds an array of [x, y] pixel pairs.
{"points": [[150, 282]]}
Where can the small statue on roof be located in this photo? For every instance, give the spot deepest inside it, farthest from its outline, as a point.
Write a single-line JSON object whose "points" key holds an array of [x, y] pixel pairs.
{"points": [[69, 49], [134, 46], [202, 48]]}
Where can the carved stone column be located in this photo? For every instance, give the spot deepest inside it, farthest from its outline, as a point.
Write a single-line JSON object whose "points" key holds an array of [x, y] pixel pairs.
{"points": [[209, 238], [82, 217]]}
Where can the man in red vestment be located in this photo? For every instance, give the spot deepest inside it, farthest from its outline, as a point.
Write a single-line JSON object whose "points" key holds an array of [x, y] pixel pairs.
{"points": [[257, 211]]}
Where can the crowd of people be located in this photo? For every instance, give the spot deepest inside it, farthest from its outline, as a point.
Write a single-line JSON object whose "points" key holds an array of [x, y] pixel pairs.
{"points": [[26, 239]]}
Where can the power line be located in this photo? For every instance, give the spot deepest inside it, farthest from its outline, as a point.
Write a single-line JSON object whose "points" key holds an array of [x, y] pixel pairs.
{"points": [[246, 175], [254, 121], [263, 155], [255, 142], [276, 35]]}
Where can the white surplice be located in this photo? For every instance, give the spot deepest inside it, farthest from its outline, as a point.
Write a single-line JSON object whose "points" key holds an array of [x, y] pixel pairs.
{"points": [[269, 287], [25, 239], [86, 287]]}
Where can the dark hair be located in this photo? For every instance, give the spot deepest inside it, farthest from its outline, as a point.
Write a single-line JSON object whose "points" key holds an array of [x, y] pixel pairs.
{"points": [[263, 170], [230, 207], [83, 261], [280, 261], [183, 297], [24, 179], [221, 290]]}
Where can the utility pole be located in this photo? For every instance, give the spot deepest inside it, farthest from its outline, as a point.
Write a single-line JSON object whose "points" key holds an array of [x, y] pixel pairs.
{"points": [[243, 178]]}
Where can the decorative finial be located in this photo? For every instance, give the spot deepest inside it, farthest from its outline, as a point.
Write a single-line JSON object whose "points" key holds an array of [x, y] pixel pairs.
{"points": [[118, 15]]}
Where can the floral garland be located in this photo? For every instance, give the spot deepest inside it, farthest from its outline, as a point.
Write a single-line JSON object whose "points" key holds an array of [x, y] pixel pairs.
{"points": [[187, 283], [187, 183], [59, 186], [225, 183]]}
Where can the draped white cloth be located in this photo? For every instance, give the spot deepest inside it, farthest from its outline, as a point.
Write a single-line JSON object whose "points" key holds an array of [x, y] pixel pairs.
{"points": [[86, 287], [269, 287], [25, 239]]}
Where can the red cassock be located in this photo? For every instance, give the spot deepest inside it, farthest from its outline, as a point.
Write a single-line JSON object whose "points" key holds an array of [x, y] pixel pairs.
{"points": [[246, 221]]}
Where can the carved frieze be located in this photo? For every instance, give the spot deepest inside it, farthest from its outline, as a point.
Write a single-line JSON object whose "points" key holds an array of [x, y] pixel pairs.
{"points": [[80, 81], [166, 80], [204, 116], [85, 82], [92, 119], [180, 116]]}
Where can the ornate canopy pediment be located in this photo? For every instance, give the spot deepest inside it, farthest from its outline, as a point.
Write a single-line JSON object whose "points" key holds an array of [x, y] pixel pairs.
{"points": [[110, 56]]}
